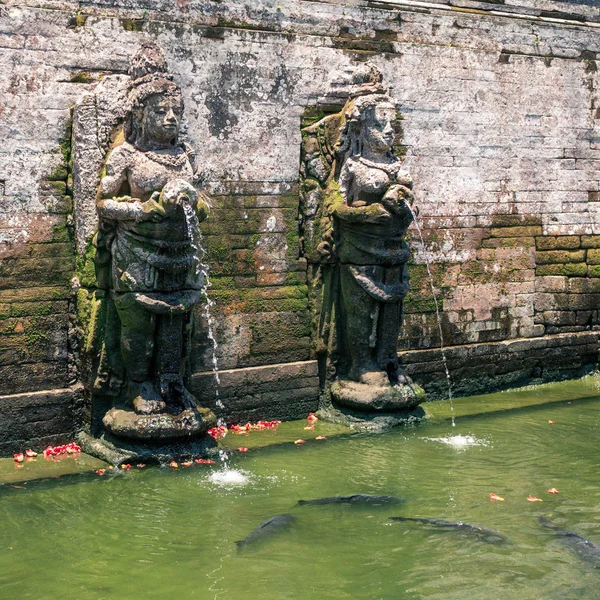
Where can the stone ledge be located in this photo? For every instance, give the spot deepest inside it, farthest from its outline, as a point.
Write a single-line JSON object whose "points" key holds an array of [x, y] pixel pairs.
{"points": [[487, 367], [281, 391], [37, 419]]}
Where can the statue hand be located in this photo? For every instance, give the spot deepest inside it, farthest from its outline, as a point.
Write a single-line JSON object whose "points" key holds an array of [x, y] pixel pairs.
{"points": [[373, 213], [152, 210], [397, 198]]}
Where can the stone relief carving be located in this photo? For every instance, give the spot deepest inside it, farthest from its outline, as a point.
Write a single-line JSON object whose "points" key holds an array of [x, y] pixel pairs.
{"points": [[355, 208], [147, 263]]}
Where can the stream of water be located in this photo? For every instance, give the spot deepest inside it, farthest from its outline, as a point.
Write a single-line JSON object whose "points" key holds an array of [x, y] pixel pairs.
{"points": [[437, 310]]}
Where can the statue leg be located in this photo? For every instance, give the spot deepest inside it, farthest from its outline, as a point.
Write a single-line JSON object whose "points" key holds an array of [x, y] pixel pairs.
{"points": [[388, 330], [359, 312], [138, 327], [172, 330]]}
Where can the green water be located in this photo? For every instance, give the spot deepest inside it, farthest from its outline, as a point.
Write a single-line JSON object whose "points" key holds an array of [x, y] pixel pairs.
{"points": [[157, 533]]}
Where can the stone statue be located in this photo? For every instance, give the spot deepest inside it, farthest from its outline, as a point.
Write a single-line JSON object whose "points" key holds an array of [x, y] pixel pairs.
{"points": [[148, 262], [356, 205]]}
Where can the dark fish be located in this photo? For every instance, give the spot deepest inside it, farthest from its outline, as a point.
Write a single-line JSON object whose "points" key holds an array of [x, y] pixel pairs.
{"points": [[585, 549], [487, 535], [354, 499], [267, 529]]}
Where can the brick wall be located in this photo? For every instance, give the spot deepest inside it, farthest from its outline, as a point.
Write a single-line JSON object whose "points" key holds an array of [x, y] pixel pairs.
{"points": [[501, 135]]}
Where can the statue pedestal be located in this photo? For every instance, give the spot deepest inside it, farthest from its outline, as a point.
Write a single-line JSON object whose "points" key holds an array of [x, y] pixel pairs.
{"points": [[378, 396], [159, 427], [130, 437]]}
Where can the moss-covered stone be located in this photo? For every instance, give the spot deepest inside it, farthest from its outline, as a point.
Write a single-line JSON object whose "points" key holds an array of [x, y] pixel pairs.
{"points": [[520, 231], [561, 242], [569, 270], [550, 257], [593, 256], [590, 241]]}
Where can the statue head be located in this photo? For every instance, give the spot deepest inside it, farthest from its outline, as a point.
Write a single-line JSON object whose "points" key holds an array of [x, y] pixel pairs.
{"points": [[155, 102], [368, 126]]}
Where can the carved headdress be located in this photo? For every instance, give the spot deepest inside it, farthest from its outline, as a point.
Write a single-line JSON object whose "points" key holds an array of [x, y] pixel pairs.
{"points": [[366, 94], [149, 76]]}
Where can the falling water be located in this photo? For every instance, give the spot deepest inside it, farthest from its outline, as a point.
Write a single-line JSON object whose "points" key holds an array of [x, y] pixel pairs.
{"points": [[437, 312], [195, 237]]}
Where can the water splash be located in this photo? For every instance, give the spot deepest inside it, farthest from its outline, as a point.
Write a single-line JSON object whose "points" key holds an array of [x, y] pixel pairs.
{"points": [[459, 441], [437, 313], [229, 478]]}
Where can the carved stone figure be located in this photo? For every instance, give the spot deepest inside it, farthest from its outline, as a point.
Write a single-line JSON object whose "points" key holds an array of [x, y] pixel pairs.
{"points": [[356, 205], [147, 261]]}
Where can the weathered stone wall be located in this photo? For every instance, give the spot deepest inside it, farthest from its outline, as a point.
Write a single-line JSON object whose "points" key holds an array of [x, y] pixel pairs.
{"points": [[501, 134]]}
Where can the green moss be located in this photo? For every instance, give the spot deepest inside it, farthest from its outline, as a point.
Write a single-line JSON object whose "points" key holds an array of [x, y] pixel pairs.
{"points": [[34, 335], [86, 265], [89, 312], [77, 20], [132, 24], [81, 77], [61, 233], [60, 173], [36, 309]]}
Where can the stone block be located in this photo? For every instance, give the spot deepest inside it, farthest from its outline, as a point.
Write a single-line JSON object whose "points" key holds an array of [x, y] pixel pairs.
{"points": [[583, 286], [508, 242], [568, 270], [584, 301], [551, 284], [551, 257], [558, 317], [560, 242], [278, 391], [551, 301], [521, 231], [590, 241], [593, 256], [34, 417]]}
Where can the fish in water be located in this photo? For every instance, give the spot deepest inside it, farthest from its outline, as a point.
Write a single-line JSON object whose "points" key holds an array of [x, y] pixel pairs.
{"points": [[267, 529], [490, 536], [586, 550], [354, 499]]}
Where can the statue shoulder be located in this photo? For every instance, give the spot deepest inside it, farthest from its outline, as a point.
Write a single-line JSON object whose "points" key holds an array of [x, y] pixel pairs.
{"points": [[120, 157]]}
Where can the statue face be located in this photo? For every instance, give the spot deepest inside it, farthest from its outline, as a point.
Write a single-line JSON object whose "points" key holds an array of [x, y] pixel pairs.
{"points": [[161, 118], [377, 130]]}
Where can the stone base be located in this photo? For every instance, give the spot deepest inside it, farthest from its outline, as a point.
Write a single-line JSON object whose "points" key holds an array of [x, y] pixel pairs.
{"points": [[117, 451], [162, 427], [370, 422], [376, 397]]}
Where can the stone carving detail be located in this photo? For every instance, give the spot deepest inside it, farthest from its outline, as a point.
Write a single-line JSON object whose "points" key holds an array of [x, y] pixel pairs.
{"points": [[356, 206], [147, 264]]}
